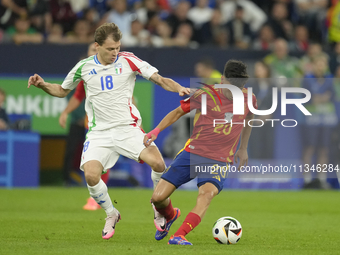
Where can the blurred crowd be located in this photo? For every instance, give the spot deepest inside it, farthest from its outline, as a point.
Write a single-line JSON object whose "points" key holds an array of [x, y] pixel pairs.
{"points": [[242, 24], [317, 72], [310, 28]]}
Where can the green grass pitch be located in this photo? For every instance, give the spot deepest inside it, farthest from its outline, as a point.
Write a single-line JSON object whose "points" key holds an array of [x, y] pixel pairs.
{"points": [[51, 221]]}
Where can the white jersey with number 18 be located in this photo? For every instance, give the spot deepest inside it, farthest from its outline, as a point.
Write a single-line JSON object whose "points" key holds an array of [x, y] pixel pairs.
{"points": [[109, 89]]}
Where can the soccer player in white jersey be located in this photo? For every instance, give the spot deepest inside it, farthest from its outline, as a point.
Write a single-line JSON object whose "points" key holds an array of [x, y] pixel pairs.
{"points": [[109, 79]]}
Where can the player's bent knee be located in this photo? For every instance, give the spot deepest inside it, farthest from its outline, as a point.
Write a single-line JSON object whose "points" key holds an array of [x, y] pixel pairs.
{"points": [[208, 194], [158, 199], [158, 166], [92, 171], [92, 179]]}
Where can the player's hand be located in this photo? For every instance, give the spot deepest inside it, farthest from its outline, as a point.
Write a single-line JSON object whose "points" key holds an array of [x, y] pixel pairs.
{"points": [[193, 90], [242, 156], [35, 80], [184, 91], [147, 141], [63, 119], [150, 137]]}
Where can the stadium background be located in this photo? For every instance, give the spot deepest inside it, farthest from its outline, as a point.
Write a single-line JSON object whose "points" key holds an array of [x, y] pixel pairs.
{"points": [[153, 102], [48, 219], [298, 24]]}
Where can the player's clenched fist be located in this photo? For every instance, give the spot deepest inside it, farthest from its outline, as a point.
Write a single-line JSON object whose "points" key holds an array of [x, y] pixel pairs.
{"points": [[151, 136], [35, 80]]}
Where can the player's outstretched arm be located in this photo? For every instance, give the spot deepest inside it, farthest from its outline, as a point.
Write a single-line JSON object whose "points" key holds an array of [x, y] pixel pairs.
{"points": [[71, 106], [50, 88], [169, 84], [242, 153], [167, 121]]}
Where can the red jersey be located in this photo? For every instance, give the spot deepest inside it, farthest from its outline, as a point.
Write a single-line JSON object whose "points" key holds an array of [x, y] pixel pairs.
{"points": [[80, 91], [80, 95], [219, 142]]}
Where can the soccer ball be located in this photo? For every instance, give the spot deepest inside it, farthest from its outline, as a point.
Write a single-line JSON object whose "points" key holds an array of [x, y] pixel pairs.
{"points": [[227, 230]]}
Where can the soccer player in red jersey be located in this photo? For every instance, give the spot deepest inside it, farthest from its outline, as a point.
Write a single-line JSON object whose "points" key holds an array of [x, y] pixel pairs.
{"points": [[209, 146]]}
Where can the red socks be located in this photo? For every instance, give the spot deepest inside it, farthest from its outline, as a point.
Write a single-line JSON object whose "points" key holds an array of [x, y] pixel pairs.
{"points": [[105, 177], [190, 222], [167, 212]]}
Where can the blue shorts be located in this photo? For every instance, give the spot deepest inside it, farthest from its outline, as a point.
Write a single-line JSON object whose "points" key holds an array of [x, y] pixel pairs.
{"points": [[187, 166]]}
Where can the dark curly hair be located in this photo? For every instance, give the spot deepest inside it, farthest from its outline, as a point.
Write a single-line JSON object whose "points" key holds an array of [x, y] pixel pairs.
{"points": [[235, 72]]}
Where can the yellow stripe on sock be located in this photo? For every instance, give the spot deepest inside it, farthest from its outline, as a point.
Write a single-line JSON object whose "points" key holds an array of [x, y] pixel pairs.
{"points": [[190, 225]]}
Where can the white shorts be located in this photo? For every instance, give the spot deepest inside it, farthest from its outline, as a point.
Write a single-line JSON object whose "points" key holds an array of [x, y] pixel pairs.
{"points": [[105, 146]]}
